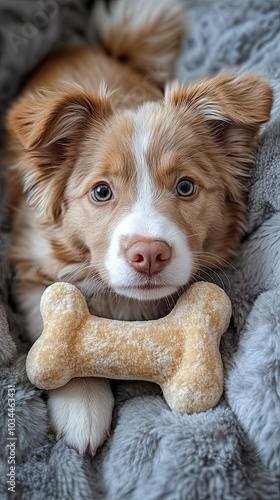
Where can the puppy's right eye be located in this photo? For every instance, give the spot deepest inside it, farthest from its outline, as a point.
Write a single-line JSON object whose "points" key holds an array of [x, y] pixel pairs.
{"points": [[186, 188], [101, 193]]}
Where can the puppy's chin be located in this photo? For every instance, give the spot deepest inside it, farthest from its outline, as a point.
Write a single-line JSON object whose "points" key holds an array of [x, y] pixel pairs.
{"points": [[146, 293]]}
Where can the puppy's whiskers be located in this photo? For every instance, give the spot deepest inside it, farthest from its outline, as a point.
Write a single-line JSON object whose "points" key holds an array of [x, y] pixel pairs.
{"points": [[211, 275]]}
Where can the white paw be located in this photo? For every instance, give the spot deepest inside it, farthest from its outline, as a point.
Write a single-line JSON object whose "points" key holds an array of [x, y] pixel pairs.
{"points": [[81, 413]]}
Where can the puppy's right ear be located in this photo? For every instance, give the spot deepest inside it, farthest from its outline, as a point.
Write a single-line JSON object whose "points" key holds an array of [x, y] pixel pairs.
{"points": [[51, 126]]}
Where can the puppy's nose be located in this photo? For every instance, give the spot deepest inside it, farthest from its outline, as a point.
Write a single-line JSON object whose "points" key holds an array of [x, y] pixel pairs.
{"points": [[148, 256]]}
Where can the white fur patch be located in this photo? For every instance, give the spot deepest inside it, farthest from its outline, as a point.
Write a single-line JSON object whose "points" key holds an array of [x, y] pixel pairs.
{"points": [[81, 413]]}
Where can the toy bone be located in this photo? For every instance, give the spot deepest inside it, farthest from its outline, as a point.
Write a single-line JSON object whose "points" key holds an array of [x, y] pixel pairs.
{"points": [[180, 352]]}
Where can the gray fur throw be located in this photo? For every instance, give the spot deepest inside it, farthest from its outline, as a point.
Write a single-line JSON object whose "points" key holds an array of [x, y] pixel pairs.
{"points": [[233, 451]]}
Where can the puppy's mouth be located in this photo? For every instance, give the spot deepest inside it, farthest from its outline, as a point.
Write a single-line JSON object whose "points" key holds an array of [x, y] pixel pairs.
{"points": [[148, 291]]}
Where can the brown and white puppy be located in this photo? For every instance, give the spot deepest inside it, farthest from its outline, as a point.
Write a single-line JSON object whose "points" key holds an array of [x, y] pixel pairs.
{"points": [[121, 188]]}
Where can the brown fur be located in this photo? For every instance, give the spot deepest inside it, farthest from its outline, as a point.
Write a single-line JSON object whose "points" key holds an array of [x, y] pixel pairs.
{"points": [[58, 133]]}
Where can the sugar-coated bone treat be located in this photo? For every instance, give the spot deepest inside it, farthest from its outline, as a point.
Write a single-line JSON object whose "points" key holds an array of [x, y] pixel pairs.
{"points": [[180, 352]]}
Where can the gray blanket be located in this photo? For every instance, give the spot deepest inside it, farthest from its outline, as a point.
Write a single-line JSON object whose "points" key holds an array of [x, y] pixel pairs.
{"points": [[232, 451]]}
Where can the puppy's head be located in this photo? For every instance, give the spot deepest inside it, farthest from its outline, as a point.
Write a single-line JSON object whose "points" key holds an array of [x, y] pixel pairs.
{"points": [[147, 195]]}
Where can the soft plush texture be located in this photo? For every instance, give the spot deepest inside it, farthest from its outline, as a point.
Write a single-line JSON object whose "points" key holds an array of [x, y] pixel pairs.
{"points": [[233, 451]]}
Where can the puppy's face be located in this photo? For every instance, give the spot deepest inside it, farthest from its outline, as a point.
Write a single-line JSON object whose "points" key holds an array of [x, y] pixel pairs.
{"points": [[147, 196], [147, 200]]}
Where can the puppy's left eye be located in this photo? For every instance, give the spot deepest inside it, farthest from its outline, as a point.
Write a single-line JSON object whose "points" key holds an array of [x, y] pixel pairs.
{"points": [[186, 187]]}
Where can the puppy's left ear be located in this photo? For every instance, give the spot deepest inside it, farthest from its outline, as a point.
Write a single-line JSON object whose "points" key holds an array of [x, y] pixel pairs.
{"points": [[232, 107]]}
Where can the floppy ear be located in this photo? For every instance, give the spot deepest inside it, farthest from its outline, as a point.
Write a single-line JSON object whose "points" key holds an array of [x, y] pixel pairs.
{"points": [[233, 107], [49, 122], [50, 125]]}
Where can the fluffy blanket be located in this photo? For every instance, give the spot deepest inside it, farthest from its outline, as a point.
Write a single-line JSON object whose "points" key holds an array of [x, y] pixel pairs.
{"points": [[232, 451]]}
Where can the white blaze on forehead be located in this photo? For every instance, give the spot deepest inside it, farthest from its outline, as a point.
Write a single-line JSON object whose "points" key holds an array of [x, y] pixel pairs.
{"points": [[140, 142]]}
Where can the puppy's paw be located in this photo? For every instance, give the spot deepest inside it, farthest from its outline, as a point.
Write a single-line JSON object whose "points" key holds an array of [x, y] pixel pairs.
{"points": [[81, 413]]}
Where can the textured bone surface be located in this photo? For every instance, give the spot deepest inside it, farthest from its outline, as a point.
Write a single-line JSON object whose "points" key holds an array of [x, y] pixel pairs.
{"points": [[180, 352]]}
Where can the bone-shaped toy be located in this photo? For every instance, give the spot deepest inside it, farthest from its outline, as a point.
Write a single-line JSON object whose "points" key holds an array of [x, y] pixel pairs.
{"points": [[180, 352]]}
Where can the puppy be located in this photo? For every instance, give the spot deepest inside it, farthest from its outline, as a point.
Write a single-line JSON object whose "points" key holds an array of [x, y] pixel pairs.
{"points": [[124, 185]]}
